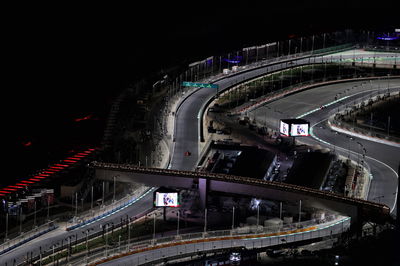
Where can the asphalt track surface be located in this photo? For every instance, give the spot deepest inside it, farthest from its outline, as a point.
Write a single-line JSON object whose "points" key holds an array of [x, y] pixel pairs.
{"points": [[382, 159], [187, 116], [48, 240], [384, 178], [186, 138]]}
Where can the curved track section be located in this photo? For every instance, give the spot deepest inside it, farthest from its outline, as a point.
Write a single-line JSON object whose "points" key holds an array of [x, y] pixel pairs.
{"points": [[381, 158], [187, 116], [187, 138]]}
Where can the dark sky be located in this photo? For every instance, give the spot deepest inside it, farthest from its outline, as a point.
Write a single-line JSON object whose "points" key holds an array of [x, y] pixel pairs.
{"points": [[62, 61], [79, 48]]}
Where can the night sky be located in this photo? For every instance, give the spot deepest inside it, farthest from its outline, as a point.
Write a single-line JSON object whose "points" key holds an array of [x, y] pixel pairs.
{"points": [[63, 62]]}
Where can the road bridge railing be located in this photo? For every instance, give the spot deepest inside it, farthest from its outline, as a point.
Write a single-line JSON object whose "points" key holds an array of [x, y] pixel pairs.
{"points": [[238, 179], [145, 251]]}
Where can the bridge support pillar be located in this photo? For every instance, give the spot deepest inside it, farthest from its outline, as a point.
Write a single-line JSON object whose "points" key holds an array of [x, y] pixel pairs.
{"points": [[203, 190], [359, 223]]}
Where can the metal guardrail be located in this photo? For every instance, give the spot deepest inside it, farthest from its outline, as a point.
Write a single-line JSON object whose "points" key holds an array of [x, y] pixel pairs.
{"points": [[298, 87], [234, 179], [113, 208], [363, 131], [202, 238], [27, 236]]}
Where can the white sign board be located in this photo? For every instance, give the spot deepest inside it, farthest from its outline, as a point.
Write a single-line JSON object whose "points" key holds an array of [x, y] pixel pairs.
{"points": [[284, 128], [299, 130], [166, 199]]}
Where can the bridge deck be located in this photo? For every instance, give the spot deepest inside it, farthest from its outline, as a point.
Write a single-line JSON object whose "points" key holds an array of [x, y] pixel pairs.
{"points": [[377, 210]]}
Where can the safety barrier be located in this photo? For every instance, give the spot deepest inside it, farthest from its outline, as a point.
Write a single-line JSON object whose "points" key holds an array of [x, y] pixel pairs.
{"points": [[150, 251], [110, 212], [51, 227]]}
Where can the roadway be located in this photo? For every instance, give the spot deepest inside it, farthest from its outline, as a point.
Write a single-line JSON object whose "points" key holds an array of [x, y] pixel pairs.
{"points": [[187, 135], [224, 240], [382, 159], [187, 116], [186, 138], [55, 237]]}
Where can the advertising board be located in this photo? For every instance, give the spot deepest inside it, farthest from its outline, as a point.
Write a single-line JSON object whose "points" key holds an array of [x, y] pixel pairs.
{"points": [[299, 130], [294, 127], [284, 128], [166, 199]]}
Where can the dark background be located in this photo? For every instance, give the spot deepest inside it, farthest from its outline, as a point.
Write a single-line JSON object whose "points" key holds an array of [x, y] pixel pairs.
{"points": [[68, 61]]}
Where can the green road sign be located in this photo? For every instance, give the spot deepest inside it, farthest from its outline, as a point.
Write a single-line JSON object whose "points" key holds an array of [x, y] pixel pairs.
{"points": [[199, 85]]}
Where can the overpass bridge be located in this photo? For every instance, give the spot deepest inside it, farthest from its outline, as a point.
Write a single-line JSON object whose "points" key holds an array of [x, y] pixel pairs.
{"points": [[359, 210]]}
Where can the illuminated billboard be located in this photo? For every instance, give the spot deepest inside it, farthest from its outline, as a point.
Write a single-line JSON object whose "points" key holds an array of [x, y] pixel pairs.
{"points": [[166, 199], [284, 128], [294, 127], [299, 130]]}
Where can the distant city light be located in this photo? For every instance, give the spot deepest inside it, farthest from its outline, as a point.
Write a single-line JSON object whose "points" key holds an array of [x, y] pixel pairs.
{"points": [[234, 60], [386, 37]]}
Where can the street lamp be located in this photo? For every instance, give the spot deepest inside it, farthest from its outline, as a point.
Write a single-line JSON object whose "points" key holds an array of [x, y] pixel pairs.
{"points": [[114, 177], [177, 229], [233, 217], [87, 238], [205, 221], [106, 226], [129, 236], [69, 245], [53, 247], [154, 226]]}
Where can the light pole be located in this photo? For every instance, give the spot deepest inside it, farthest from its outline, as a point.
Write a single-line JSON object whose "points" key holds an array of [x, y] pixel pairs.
{"points": [[54, 262], [299, 211], [91, 201], [6, 236], [102, 200], [114, 188], [69, 246], [48, 208], [34, 214], [87, 239], [20, 219], [76, 204], [129, 236], [177, 229], [233, 217], [301, 45], [106, 226], [312, 46], [205, 220], [154, 227], [388, 75]]}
